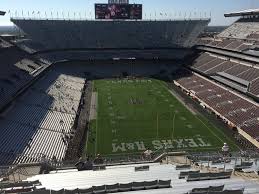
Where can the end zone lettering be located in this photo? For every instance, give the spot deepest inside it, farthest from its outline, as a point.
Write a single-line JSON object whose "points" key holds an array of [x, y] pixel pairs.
{"points": [[160, 144]]}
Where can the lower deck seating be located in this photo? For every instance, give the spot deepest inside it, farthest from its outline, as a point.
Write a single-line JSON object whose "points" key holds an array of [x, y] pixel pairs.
{"points": [[237, 110], [41, 123]]}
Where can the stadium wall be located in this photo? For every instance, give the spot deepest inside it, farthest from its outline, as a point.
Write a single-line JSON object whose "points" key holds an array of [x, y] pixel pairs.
{"points": [[87, 54], [111, 68], [64, 34]]}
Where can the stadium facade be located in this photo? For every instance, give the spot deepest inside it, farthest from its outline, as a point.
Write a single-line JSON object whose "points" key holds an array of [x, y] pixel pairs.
{"points": [[129, 34]]}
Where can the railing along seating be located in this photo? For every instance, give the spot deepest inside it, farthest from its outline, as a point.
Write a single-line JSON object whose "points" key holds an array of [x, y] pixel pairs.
{"points": [[181, 167], [244, 165], [124, 187], [208, 176], [184, 174], [208, 189], [142, 168]]}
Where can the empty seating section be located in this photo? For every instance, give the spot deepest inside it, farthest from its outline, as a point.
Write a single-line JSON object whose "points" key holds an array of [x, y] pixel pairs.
{"points": [[241, 36], [240, 75], [254, 88], [222, 43], [202, 59], [115, 188], [27, 65], [41, 122], [253, 36], [210, 64], [14, 138], [245, 46], [220, 67], [240, 112], [237, 69], [4, 43], [234, 45], [30, 46], [241, 29], [228, 43], [60, 34], [17, 70], [249, 75]]}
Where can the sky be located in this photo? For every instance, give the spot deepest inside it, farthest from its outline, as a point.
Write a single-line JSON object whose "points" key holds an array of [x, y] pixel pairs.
{"points": [[152, 9]]}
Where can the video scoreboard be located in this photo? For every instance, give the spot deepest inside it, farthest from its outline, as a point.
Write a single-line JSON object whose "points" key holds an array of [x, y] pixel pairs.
{"points": [[118, 11]]}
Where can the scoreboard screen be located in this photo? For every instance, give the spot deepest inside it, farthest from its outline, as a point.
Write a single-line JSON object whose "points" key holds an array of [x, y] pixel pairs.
{"points": [[118, 11]]}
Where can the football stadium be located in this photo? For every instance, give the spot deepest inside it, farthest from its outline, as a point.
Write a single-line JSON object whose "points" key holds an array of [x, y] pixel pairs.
{"points": [[124, 104]]}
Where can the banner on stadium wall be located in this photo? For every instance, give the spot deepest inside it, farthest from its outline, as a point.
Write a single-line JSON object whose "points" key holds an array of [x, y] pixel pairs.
{"points": [[118, 11]]}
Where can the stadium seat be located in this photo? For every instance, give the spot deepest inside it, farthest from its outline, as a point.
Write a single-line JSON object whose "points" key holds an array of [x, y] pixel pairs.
{"points": [[71, 191], [37, 192], [182, 167], [62, 191], [86, 191], [138, 186], [164, 184], [112, 188], [184, 174], [238, 191], [208, 189], [151, 184], [142, 168], [125, 187], [98, 189]]}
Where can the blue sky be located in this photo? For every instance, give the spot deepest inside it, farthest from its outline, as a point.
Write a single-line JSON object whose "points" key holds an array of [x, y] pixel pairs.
{"points": [[172, 8]]}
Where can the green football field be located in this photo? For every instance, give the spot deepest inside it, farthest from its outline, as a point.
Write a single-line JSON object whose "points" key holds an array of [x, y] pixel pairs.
{"points": [[135, 115]]}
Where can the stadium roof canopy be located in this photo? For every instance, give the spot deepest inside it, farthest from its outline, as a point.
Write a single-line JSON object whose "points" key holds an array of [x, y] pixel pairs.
{"points": [[2, 13], [248, 12]]}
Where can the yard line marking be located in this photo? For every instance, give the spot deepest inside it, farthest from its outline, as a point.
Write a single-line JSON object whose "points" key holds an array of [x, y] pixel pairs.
{"points": [[210, 129], [157, 125], [201, 121], [96, 137], [222, 134], [173, 126]]}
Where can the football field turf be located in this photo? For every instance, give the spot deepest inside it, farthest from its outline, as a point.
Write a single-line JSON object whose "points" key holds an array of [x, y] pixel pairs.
{"points": [[134, 115]]}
